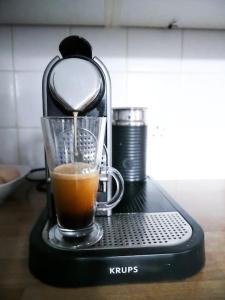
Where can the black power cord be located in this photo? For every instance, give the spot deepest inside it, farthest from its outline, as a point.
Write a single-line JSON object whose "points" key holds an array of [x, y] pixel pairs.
{"points": [[41, 182]]}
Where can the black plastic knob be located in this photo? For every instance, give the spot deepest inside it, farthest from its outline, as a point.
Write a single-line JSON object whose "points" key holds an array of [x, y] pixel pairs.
{"points": [[75, 46]]}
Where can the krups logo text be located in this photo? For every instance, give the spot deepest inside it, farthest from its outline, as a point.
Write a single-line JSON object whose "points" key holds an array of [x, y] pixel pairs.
{"points": [[123, 270]]}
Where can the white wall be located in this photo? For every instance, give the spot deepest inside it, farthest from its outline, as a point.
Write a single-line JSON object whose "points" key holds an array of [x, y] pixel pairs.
{"points": [[178, 74]]}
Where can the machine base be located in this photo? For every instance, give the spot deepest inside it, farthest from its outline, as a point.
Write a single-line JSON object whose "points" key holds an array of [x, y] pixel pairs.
{"points": [[148, 238]]}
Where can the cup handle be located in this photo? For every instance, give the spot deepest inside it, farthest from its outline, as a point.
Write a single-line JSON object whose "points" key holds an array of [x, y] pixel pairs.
{"points": [[110, 171]]}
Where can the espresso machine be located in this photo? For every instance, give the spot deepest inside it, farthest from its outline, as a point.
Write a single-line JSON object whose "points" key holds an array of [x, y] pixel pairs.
{"points": [[148, 236]]}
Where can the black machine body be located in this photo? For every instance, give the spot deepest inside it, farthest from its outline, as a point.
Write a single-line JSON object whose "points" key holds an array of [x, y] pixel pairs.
{"points": [[148, 236]]}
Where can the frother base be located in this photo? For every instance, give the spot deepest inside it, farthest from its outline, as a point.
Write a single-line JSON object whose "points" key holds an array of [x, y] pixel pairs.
{"points": [[148, 238]]}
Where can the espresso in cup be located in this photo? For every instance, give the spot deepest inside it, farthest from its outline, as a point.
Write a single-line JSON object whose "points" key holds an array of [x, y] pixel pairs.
{"points": [[75, 187]]}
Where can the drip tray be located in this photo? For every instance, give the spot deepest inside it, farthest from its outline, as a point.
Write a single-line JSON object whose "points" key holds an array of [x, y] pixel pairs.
{"points": [[132, 230], [149, 237]]}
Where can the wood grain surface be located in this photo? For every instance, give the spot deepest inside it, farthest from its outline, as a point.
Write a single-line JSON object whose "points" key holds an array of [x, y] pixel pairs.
{"points": [[204, 200]]}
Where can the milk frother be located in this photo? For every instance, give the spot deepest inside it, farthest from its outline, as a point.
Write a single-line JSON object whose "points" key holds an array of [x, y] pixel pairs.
{"points": [[129, 136]]}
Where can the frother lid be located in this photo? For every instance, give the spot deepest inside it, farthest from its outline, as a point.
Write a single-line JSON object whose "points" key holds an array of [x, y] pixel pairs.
{"points": [[75, 83], [134, 116]]}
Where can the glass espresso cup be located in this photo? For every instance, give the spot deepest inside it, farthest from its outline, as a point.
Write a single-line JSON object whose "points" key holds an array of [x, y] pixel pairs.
{"points": [[74, 150]]}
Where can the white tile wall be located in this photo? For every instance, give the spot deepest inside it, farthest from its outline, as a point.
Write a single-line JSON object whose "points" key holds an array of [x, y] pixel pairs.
{"points": [[8, 117], [184, 153], [178, 75], [110, 45], [35, 46], [203, 51], [159, 92], [119, 90], [203, 98], [154, 50], [29, 98], [31, 147], [8, 146]]}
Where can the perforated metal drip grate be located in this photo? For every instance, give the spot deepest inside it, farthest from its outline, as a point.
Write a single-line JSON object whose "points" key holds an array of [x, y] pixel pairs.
{"points": [[144, 230], [140, 230]]}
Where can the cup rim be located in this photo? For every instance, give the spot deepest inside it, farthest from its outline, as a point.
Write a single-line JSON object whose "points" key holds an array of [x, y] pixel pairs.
{"points": [[70, 117]]}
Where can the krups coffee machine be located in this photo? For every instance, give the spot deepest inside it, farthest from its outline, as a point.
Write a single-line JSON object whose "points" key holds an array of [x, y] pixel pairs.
{"points": [[148, 236]]}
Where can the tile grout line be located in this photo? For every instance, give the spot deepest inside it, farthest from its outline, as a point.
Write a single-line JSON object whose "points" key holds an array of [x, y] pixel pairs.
{"points": [[108, 11], [179, 87], [22, 71], [182, 51], [15, 93], [126, 86], [126, 70], [21, 127], [70, 29]]}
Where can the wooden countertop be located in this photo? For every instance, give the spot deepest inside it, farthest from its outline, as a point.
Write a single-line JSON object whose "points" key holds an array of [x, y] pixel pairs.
{"points": [[204, 200]]}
